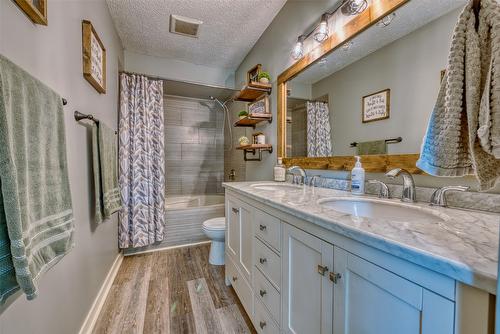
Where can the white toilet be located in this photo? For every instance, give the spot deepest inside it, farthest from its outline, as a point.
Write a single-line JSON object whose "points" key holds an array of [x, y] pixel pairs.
{"points": [[215, 229]]}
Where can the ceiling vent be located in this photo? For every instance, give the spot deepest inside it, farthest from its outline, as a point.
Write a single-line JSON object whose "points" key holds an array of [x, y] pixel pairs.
{"points": [[184, 26]]}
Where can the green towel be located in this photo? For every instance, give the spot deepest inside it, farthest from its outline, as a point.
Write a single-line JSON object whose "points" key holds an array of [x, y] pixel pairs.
{"points": [[105, 153], [36, 200], [372, 147]]}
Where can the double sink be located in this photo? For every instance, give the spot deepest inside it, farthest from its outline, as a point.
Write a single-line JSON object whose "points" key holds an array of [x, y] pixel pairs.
{"points": [[365, 206]]}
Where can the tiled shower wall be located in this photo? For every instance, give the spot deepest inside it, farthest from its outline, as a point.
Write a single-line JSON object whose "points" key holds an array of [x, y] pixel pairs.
{"points": [[233, 159], [194, 146]]}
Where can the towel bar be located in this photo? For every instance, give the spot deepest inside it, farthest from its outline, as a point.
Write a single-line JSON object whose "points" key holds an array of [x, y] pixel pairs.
{"points": [[79, 116], [388, 141]]}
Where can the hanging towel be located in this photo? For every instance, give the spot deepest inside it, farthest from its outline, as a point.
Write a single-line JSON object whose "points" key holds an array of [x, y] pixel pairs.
{"points": [[463, 130], [372, 147], [36, 198], [105, 165]]}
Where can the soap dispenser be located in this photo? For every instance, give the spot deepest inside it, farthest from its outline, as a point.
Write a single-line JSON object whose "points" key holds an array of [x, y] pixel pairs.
{"points": [[358, 178]]}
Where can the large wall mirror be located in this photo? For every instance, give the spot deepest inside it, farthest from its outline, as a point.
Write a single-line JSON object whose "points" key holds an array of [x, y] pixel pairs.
{"points": [[370, 90]]}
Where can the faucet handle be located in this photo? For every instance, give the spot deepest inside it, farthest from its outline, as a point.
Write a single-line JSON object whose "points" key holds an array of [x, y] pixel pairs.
{"points": [[383, 191], [438, 198]]}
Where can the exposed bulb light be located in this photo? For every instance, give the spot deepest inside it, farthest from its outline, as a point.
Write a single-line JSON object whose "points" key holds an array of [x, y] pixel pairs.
{"points": [[386, 20], [353, 7], [347, 45], [298, 49], [321, 33]]}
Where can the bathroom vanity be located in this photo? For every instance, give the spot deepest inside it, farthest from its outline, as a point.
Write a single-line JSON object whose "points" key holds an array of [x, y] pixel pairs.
{"points": [[302, 260]]}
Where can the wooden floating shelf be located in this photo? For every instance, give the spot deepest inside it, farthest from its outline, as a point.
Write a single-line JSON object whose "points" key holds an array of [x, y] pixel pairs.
{"points": [[254, 149], [253, 119], [253, 91]]}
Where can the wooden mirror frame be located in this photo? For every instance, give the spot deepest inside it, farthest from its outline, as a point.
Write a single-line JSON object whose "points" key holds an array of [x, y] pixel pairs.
{"points": [[377, 10]]}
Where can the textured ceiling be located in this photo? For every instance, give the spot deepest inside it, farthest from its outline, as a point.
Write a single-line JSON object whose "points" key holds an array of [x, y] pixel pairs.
{"points": [[230, 28], [410, 17]]}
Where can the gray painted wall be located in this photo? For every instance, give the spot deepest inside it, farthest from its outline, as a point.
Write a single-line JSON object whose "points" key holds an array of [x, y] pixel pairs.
{"points": [[272, 50], [410, 67], [54, 55], [194, 149]]}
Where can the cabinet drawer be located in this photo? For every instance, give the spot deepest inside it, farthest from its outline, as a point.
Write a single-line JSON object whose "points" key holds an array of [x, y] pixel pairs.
{"points": [[267, 228], [263, 321], [240, 285], [268, 262], [267, 294]]}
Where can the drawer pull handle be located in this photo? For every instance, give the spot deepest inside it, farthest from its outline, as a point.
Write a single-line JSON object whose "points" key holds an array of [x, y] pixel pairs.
{"points": [[262, 324], [235, 278], [322, 270], [236, 210], [262, 260], [262, 227], [262, 293], [335, 277]]}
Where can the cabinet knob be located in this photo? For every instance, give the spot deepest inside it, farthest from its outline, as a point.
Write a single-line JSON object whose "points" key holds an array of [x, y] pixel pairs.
{"points": [[262, 293], [262, 227], [335, 277], [262, 260], [235, 278], [262, 324], [322, 270], [236, 210]]}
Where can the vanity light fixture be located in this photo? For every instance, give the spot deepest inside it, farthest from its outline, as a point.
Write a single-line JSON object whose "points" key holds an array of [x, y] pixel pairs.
{"points": [[385, 21], [321, 33], [298, 49], [353, 7]]}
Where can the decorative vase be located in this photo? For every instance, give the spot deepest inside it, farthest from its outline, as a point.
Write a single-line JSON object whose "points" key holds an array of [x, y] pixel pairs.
{"points": [[264, 80]]}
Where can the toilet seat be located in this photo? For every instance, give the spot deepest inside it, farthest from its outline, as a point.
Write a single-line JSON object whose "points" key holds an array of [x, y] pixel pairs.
{"points": [[215, 224]]}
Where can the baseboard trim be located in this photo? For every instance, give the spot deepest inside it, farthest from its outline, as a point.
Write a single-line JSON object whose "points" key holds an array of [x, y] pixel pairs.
{"points": [[91, 318], [159, 249]]}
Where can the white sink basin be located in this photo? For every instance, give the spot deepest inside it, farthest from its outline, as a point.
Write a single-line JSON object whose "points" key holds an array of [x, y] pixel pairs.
{"points": [[270, 186], [380, 209]]}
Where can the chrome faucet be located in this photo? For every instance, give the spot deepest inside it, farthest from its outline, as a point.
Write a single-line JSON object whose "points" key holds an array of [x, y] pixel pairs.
{"points": [[383, 191], [313, 180], [409, 193], [438, 198], [301, 171]]}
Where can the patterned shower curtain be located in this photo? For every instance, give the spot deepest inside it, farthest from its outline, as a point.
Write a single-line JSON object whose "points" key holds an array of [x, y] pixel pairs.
{"points": [[319, 140], [141, 155]]}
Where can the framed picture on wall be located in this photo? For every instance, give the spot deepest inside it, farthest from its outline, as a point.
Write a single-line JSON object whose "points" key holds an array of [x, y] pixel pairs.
{"points": [[94, 57], [376, 106], [36, 10], [259, 106]]}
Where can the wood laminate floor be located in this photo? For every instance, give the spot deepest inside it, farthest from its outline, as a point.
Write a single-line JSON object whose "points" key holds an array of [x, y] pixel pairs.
{"points": [[172, 291]]}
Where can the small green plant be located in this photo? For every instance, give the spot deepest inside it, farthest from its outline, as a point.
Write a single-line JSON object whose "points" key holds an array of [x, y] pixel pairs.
{"points": [[264, 75], [243, 113]]}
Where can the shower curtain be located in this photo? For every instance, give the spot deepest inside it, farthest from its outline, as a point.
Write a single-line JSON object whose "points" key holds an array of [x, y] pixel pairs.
{"points": [[141, 156], [319, 140]]}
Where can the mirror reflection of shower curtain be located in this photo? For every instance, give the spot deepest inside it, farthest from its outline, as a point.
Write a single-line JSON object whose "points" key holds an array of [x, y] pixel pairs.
{"points": [[142, 161], [319, 140]]}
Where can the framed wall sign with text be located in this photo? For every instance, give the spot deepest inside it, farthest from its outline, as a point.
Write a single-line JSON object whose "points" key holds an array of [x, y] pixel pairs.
{"points": [[94, 57], [376, 106]]}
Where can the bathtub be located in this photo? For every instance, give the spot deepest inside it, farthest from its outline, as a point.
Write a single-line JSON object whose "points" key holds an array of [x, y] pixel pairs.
{"points": [[184, 216]]}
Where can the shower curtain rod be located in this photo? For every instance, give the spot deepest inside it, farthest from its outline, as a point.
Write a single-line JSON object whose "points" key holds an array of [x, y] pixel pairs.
{"points": [[155, 77]]}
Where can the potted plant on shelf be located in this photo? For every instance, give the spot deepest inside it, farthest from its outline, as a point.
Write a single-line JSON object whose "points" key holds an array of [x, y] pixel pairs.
{"points": [[264, 77], [242, 114]]}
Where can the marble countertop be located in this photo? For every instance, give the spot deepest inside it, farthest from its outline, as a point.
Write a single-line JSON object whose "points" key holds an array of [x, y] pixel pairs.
{"points": [[463, 245]]}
